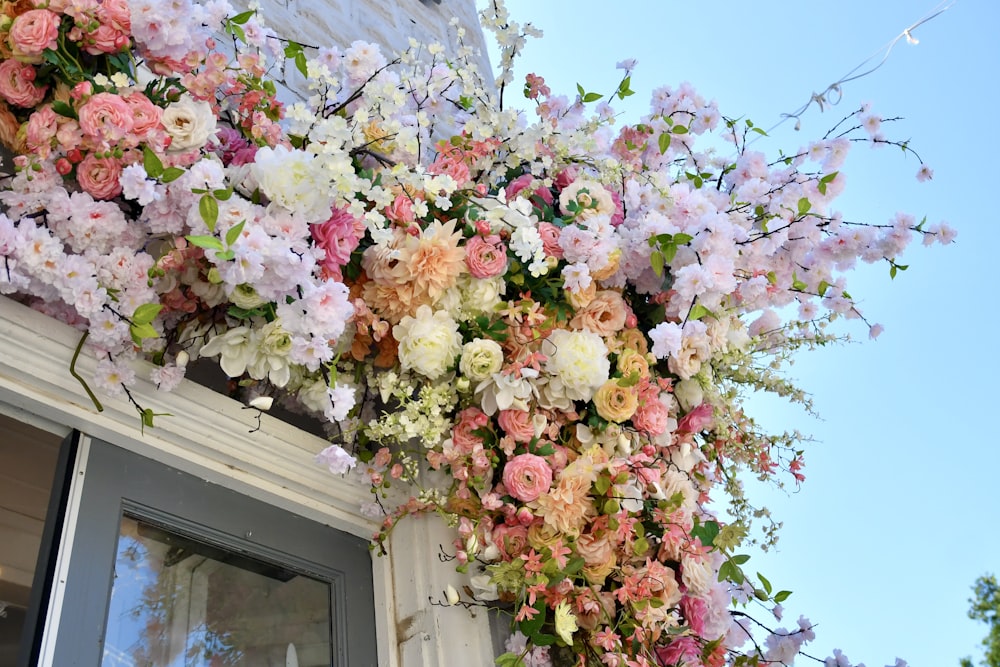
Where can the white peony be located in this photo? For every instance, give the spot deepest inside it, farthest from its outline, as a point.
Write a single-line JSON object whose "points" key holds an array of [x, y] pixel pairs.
{"points": [[580, 360], [428, 343], [189, 122], [293, 180]]}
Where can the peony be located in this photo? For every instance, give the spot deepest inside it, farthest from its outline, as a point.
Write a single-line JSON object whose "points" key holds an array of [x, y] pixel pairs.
{"points": [[615, 402], [527, 476], [428, 343], [579, 359], [481, 358], [189, 122], [293, 180]]}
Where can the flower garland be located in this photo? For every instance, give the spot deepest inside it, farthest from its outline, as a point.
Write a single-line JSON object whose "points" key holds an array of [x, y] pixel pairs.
{"points": [[539, 327]]}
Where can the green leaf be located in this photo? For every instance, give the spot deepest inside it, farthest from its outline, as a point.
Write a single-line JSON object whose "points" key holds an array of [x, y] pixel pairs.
{"points": [[679, 129], [242, 18], [141, 331], [580, 90], [797, 284], [740, 559], [64, 109], [698, 311], [533, 625], [146, 313], [592, 97], [664, 142], [300, 63], [682, 239], [207, 242], [151, 163], [510, 660], [602, 484], [209, 209], [223, 195], [706, 532], [804, 205], [238, 32], [629, 381], [772, 277], [171, 174], [234, 233], [823, 287], [781, 596], [573, 566], [656, 259], [760, 131], [765, 583]]}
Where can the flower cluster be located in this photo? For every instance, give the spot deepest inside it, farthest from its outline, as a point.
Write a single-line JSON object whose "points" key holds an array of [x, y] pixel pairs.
{"points": [[540, 326]]}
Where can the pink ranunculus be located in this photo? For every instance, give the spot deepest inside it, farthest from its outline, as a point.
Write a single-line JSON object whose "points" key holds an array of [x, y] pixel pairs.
{"points": [[469, 420], [651, 417], [145, 114], [99, 176], [517, 424], [17, 84], [34, 31], [106, 117], [42, 128], [527, 476], [105, 39], [550, 239], [485, 259]]}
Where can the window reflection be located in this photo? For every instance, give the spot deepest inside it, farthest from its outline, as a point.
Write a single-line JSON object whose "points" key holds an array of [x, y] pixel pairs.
{"points": [[178, 602]]}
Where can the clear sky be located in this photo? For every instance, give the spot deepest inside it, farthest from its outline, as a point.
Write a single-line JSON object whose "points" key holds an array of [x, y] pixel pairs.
{"points": [[899, 512]]}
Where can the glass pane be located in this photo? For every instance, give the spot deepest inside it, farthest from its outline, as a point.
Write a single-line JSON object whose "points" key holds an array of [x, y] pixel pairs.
{"points": [[27, 467], [177, 602]]}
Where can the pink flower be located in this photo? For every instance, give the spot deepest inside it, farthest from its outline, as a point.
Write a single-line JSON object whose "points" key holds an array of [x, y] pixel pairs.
{"points": [[527, 476], [485, 257], [517, 424], [42, 128], [401, 210], [34, 31], [106, 117], [697, 420], [145, 114], [99, 176], [651, 417], [550, 239], [17, 84]]}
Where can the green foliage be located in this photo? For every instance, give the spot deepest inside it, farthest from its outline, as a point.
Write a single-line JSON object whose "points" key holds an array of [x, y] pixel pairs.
{"points": [[985, 607]]}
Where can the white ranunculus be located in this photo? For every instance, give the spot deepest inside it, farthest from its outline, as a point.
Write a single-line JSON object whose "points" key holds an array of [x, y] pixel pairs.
{"points": [[481, 358], [580, 360], [189, 122], [689, 394], [293, 180], [428, 343]]}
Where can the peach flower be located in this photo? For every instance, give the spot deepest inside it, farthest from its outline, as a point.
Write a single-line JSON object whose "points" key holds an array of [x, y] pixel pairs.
{"points": [[604, 315]]}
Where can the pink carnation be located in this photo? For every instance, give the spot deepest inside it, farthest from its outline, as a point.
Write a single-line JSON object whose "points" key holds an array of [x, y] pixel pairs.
{"points": [[34, 31], [527, 476], [485, 257], [17, 84]]}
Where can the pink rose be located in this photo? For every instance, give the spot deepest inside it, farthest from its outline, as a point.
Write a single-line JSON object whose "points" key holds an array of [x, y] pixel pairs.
{"points": [[99, 176], [523, 181], [510, 540], [485, 259], [106, 117], [517, 424], [401, 210], [527, 476], [34, 31], [697, 420], [17, 84], [550, 239]]}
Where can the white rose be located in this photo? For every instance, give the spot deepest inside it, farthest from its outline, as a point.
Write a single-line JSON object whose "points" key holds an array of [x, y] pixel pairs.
{"points": [[189, 122], [293, 180], [481, 358], [580, 360], [696, 574], [481, 295], [428, 343]]}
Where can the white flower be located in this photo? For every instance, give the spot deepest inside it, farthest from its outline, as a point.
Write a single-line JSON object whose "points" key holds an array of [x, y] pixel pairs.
{"points": [[428, 343], [293, 180], [481, 358], [580, 360], [565, 622], [236, 348], [689, 393], [189, 122], [336, 459]]}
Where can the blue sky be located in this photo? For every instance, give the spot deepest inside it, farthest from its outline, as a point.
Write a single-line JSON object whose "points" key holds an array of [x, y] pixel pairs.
{"points": [[899, 512]]}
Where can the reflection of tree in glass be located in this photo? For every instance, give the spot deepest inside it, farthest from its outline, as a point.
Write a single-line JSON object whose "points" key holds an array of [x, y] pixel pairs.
{"points": [[197, 605]]}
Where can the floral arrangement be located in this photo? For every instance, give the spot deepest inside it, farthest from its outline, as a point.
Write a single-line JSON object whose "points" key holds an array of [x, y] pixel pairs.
{"points": [[538, 325]]}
